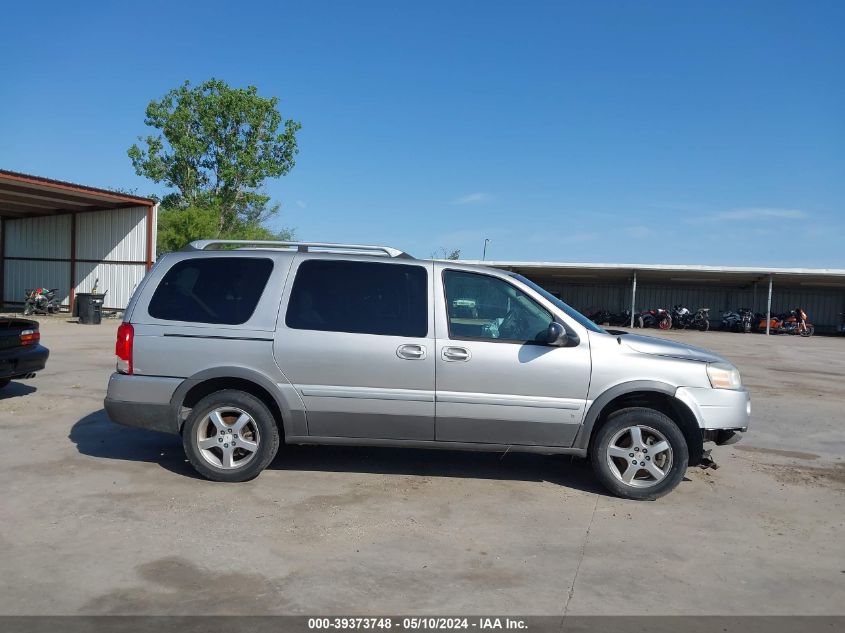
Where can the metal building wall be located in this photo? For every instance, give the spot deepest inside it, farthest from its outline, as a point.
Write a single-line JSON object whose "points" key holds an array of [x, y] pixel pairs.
{"points": [[824, 307], [22, 275], [112, 246], [109, 245], [589, 298], [32, 246]]}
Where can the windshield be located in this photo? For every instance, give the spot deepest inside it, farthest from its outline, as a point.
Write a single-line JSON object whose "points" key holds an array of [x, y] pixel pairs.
{"points": [[569, 310]]}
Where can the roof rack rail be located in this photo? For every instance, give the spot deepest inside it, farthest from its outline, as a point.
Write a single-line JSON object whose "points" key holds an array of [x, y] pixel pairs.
{"points": [[302, 247]]}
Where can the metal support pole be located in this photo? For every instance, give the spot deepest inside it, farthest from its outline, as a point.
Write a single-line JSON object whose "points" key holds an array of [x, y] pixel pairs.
{"points": [[71, 296], [149, 262], [2, 261], [633, 297], [769, 307]]}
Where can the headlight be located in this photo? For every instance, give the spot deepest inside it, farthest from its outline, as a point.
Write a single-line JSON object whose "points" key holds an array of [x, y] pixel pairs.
{"points": [[723, 376]]}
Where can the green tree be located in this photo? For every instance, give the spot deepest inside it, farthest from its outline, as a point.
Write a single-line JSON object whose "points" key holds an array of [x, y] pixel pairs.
{"points": [[179, 226], [443, 253], [215, 148]]}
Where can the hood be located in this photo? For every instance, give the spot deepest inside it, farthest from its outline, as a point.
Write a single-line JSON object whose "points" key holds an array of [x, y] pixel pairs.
{"points": [[673, 349]]}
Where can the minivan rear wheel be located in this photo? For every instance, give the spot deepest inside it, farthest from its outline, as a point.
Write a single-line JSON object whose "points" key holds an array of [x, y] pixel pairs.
{"points": [[231, 436], [639, 453]]}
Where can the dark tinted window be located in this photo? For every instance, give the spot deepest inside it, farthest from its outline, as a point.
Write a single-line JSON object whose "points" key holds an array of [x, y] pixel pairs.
{"points": [[360, 297], [221, 290]]}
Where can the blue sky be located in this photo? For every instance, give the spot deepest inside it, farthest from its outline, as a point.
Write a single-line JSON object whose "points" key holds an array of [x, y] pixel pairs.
{"points": [[656, 132]]}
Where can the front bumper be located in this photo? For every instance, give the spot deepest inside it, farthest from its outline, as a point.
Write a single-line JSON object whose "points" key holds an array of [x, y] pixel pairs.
{"points": [[21, 361], [718, 409]]}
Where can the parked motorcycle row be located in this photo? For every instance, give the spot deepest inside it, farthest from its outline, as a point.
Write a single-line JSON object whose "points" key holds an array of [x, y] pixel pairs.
{"points": [[679, 317]]}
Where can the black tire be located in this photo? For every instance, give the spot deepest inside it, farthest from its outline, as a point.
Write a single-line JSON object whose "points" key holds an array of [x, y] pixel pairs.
{"points": [[262, 425], [4, 382], [27, 310], [650, 419], [705, 326], [746, 327], [638, 322]]}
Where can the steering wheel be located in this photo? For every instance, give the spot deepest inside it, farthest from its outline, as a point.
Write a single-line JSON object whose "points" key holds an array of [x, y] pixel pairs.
{"points": [[513, 323]]}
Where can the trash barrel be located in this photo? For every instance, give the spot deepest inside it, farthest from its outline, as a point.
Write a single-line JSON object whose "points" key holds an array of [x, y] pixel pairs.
{"points": [[90, 308]]}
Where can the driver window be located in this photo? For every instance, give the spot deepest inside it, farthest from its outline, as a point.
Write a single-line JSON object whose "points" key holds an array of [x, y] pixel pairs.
{"points": [[484, 307]]}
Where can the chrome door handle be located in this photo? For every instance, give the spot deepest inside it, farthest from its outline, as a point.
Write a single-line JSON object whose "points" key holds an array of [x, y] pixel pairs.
{"points": [[411, 352], [455, 354]]}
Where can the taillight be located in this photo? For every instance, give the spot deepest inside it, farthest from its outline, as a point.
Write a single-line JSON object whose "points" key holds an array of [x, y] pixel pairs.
{"points": [[30, 337], [123, 348]]}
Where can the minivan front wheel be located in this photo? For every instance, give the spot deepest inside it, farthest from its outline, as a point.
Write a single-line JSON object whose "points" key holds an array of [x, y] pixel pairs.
{"points": [[230, 435], [639, 453]]}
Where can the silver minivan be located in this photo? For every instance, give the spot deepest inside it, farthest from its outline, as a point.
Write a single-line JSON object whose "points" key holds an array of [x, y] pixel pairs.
{"points": [[240, 346]]}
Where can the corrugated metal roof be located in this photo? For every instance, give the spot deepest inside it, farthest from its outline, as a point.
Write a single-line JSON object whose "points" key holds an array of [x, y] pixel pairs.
{"points": [[26, 195], [761, 270]]}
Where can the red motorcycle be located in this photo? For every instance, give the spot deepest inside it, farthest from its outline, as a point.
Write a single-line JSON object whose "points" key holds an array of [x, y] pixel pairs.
{"points": [[659, 318]]}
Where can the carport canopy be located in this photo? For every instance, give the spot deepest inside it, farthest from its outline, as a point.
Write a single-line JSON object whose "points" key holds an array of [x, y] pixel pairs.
{"points": [[27, 196], [804, 285], [24, 195]]}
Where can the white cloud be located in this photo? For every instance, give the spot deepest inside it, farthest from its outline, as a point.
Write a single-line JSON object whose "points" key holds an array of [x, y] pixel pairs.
{"points": [[752, 213], [473, 198], [301, 204]]}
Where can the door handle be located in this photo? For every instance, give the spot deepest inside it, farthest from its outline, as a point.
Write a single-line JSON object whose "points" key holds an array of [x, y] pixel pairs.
{"points": [[456, 354], [411, 352]]}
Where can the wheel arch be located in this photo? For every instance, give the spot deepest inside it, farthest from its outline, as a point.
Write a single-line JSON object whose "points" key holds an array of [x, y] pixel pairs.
{"points": [[651, 394], [198, 386]]}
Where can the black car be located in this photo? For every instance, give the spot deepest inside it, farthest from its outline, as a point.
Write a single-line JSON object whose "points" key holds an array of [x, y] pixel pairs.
{"points": [[21, 353]]}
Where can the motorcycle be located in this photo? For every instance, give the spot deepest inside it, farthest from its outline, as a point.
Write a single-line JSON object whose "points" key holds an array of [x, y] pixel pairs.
{"points": [[606, 317], [683, 318], [798, 322], [40, 301], [794, 322], [746, 318], [775, 324], [738, 321], [659, 318]]}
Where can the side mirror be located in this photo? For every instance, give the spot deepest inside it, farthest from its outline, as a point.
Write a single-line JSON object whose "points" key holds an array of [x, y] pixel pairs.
{"points": [[556, 334]]}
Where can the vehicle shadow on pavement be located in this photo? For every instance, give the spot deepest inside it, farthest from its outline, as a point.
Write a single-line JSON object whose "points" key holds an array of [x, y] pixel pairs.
{"points": [[15, 389], [97, 436], [556, 469]]}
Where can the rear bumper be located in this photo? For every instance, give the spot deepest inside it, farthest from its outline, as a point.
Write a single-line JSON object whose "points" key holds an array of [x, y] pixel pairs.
{"points": [[21, 361], [718, 409], [143, 402]]}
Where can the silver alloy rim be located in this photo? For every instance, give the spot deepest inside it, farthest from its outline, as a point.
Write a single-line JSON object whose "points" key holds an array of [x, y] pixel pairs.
{"points": [[639, 456], [228, 438]]}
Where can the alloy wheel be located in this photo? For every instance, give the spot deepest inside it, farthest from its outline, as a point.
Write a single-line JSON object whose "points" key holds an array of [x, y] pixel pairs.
{"points": [[639, 456], [228, 438]]}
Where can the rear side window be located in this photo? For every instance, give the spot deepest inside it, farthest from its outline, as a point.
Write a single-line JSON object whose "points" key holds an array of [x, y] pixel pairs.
{"points": [[220, 290], [360, 297]]}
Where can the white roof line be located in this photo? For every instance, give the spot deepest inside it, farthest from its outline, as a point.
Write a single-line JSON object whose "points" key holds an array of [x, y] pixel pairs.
{"points": [[661, 267]]}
